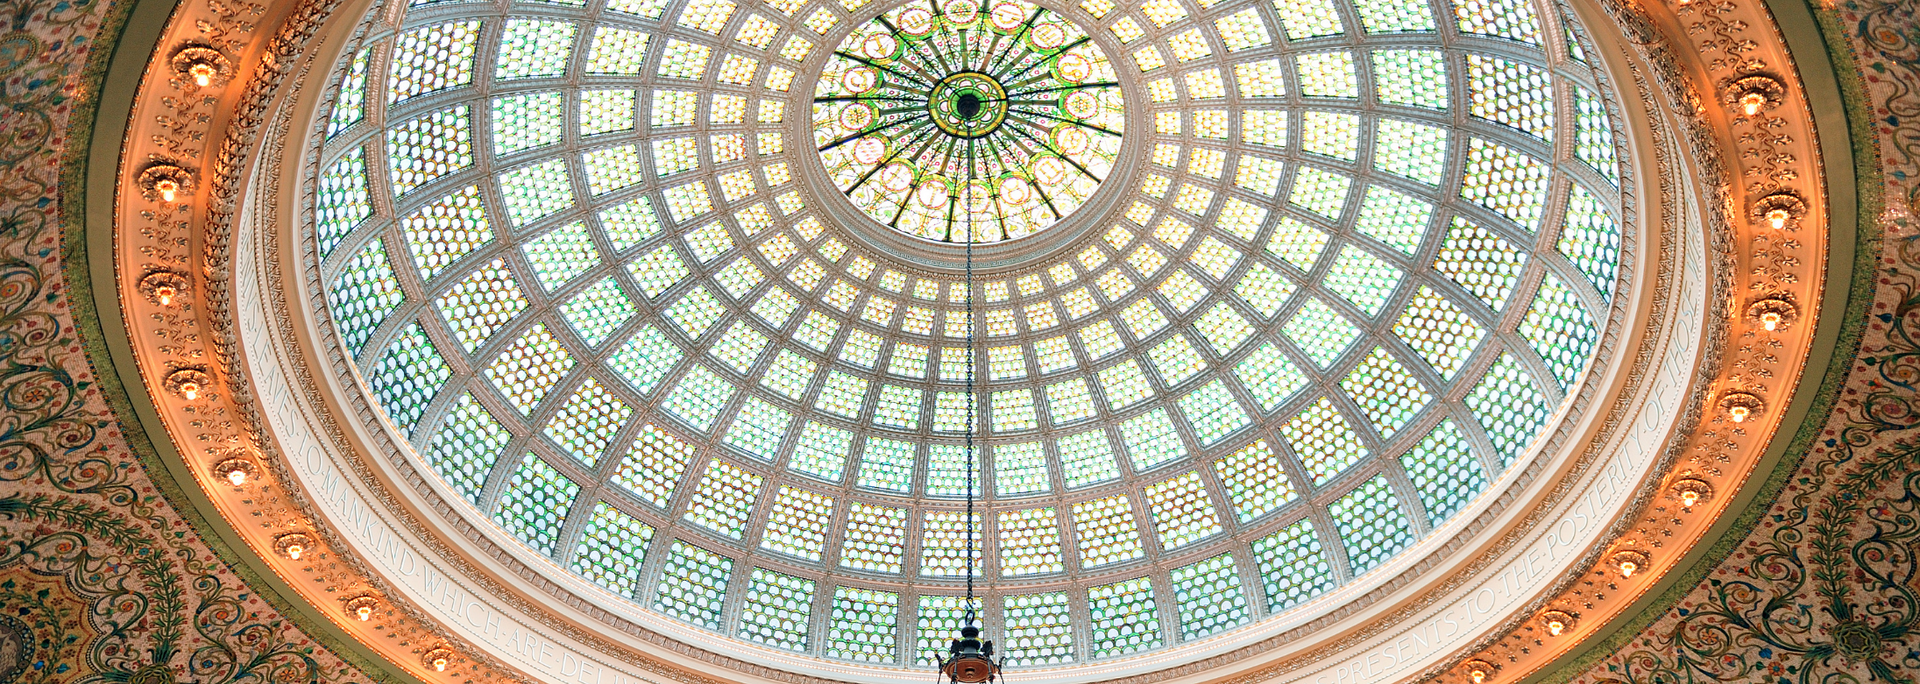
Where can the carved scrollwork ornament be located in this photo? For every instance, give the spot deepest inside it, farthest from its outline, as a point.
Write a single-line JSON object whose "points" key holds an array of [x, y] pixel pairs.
{"points": [[1751, 95], [1773, 313], [163, 287], [1556, 622], [236, 471], [164, 182], [1739, 406], [292, 544], [1479, 671], [1629, 562], [189, 383], [362, 607], [438, 658], [1780, 210], [202, 65], [1690, 491]]}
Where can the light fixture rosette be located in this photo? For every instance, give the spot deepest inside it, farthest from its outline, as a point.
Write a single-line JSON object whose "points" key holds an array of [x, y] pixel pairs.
{"points": [[957, 122]]}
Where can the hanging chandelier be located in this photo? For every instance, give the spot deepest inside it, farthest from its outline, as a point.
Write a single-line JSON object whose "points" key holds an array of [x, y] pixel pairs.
{"points": [[970, 658]]}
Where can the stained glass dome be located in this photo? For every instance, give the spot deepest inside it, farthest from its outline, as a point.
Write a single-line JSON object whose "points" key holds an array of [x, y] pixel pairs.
{"points": [[585, 257]]}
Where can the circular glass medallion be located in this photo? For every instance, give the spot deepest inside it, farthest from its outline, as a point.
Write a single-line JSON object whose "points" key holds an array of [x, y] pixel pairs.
{"points": [[959, 125]]}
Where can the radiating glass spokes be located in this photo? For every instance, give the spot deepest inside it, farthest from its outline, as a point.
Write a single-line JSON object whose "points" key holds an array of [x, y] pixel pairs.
{"points": [[955, 124]]}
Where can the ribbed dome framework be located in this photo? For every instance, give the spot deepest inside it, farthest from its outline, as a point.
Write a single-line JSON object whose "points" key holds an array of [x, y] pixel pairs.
{"points": [[1365, 252]]}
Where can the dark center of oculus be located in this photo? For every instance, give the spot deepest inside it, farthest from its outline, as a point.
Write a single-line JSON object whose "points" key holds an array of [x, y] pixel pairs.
{"points": [[969, 106]]}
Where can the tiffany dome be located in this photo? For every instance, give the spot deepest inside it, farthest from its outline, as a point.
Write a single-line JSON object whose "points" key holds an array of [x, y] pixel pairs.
{"points": [[619, 274]]}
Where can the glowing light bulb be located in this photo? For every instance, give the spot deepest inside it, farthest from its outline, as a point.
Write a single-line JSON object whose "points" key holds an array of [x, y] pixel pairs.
{"points": [[1627, 568], [1555, 627], [1770, 320], [1689, 498], [164, 295], [440, 664], [167, 187], [202, 74], [1752, 102], [1778, 218], [293, 551], [1479, 676], [237, 476], [363, 612], [1739, 413], [190, 390]]}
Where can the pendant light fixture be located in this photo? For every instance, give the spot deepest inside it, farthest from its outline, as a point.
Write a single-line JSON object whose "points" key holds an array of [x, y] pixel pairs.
{"points": [[969, 659]]}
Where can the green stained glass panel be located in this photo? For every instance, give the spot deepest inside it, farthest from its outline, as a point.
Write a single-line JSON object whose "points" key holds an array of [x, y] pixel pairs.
{"points": [[612, 548], [466, 446], [363, 295], [693, 585], [535, 503], [1293, 566], [1209, 596], [1509, 406], [1373, 526], [1445, 473]]}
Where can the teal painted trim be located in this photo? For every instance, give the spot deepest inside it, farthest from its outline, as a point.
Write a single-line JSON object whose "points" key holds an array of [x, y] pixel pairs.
{"points": [[1842, 118], [128, 36]]}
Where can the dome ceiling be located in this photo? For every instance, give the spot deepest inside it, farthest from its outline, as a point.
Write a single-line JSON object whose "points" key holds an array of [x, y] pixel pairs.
{"points": [[1362, 252]]}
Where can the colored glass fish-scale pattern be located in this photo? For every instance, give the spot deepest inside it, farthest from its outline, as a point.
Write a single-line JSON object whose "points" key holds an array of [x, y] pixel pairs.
{"points": [[1373, 526], [1509, 406], [874, 538], [612, 548], [1293, 566], [363, 295], [1029, 542], [480, 304], [654, 466], [424, 149], [1039, 627], [350, 100], [798, 522], [432, 58], [586, 424], [1182, 512], [1323, 439], [597, 311], [776, 610], [409, 373], [1386, 391], [529, 368], [1209, 597], [1480, 261], [1560, 330], [724, 499], [1590, 238], [693, 585], [466, 446], [1255, 481], [1125, 619], [862, 625], [447, 229], [1445, 474], [535, 503], [342, 201], [526, 121]]}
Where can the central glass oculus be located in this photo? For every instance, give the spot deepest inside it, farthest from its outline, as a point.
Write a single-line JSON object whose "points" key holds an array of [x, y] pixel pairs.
{"points": [[962, 122], [968, 105]]}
